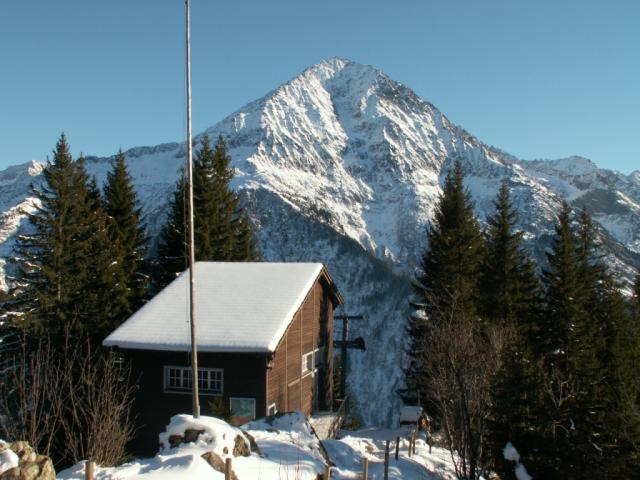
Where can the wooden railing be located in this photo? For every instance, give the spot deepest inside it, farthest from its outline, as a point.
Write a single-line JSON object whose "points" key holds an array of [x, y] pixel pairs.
{"points": [[341, 415]]}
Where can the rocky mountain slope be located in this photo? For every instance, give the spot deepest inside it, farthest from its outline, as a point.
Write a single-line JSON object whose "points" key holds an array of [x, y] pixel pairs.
{"points": [[344, 165]]}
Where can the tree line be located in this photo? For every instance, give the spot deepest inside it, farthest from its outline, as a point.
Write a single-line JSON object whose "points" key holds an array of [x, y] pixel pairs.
{"points": [[84, 264], [502, 350]]}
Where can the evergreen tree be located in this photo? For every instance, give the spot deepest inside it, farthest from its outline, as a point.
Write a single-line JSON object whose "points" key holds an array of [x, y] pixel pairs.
{"points": [[451, 263], [510, 298], [564, 302], [127, 233], [448, 284], [64, 270], [510, 292], [222, 228], [636, 290], [587, 350], [245, 247], [173, 245]]}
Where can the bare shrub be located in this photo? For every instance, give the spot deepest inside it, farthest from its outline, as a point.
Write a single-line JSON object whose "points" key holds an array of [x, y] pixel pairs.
{"points": [[72, 403], [463, 355], [97, 421], [30, 402]]}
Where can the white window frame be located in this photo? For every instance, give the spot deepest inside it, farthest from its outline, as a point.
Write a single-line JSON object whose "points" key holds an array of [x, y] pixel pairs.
{"points": [[270, 407], [313, 354], [244, 398], [212, 376]]}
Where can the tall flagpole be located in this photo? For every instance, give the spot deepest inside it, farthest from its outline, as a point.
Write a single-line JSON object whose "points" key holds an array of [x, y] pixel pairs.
{"points": [[192, 256]]}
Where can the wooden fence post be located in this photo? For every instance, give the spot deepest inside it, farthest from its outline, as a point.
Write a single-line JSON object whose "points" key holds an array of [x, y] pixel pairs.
{"points": [[386, 461], [365, 469], [397, 447], [88, 470], [415, 436], [227, 469]]}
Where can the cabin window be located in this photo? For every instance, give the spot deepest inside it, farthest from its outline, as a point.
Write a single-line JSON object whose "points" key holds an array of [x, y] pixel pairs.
{"points": [[272, 410], [178, 379], [242, 409], [310, 361]]}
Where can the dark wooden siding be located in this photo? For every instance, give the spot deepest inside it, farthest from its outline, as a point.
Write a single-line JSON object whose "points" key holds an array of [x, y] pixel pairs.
{"points": [[311, 328], [268, 378], [244, 376]]}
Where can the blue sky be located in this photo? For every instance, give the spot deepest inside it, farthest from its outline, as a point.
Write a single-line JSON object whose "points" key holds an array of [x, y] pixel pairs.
{"points": [[539, 79]]}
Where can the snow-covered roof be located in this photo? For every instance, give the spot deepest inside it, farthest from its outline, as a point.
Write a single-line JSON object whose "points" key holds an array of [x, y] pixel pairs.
{"points": [[240, 307]]}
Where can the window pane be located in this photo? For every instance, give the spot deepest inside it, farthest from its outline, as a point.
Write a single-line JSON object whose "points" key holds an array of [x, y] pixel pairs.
{"points": [[179, 378], [243, 409]]}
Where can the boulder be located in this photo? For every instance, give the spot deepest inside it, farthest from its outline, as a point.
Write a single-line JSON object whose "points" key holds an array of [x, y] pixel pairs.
{"points": [[241, 447], [191, 435], [31, 466], [217, 463]]}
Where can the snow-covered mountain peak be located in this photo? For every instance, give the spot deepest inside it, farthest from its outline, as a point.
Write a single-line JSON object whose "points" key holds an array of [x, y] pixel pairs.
{"points": [[571, 166], [17, 172], [344, 165]]}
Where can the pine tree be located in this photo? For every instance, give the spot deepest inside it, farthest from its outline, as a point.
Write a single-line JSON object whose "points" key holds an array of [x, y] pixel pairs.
{"points": [[245, 248], [127, 233], [64, 270], [605, 370], [636, 290], [510, 298], [448, 284], [172, 249], [564, 302], [223, 231], [451, 263], [588, 362], [510, 290]]}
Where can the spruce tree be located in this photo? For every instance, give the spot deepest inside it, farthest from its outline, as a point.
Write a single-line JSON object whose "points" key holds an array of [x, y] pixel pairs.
{"points": [[450, 265], [606, 367], [587, 346], [173, 245], [510, 299], [223, 231], [564, 302], [510, 291], [127, 232], [448, 283], [64, 268]]}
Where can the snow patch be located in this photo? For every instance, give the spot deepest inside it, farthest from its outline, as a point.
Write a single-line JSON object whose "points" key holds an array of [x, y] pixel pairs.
{"points": [[218, 437], [8, 458]]}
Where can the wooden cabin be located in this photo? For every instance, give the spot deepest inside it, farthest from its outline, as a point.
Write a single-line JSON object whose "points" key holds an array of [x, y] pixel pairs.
{"points": [[264, 334]]}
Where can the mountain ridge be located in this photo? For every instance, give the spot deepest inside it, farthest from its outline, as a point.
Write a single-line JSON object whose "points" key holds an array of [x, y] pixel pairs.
{"points": [[344, 165]]}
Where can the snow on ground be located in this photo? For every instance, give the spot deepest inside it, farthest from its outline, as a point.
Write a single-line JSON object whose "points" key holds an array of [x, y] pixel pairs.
{"points": [[289, 450], [8, 458], [348, 452]]}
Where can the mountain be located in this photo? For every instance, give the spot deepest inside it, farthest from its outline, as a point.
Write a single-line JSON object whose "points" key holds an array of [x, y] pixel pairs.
{"points": [[344, 165]]}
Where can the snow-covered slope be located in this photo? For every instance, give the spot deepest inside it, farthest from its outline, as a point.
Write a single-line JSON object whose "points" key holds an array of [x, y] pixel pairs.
{"points": [[343, 165]]}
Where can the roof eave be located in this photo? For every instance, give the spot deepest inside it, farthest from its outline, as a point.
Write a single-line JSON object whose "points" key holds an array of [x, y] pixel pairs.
{"points": [[123, 345]]}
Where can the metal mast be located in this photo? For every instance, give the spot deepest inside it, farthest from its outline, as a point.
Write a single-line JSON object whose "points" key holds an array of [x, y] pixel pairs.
{"points": [[192, 256]]}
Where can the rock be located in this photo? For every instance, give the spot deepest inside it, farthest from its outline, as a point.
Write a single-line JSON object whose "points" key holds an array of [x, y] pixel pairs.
{"points": [[252, 444], [30, 472], [11, 474], [241, 447], [46, 470], [27, 457], [21, 448], [191, 435], [31, 466], [175, 440], [217, 463]]}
